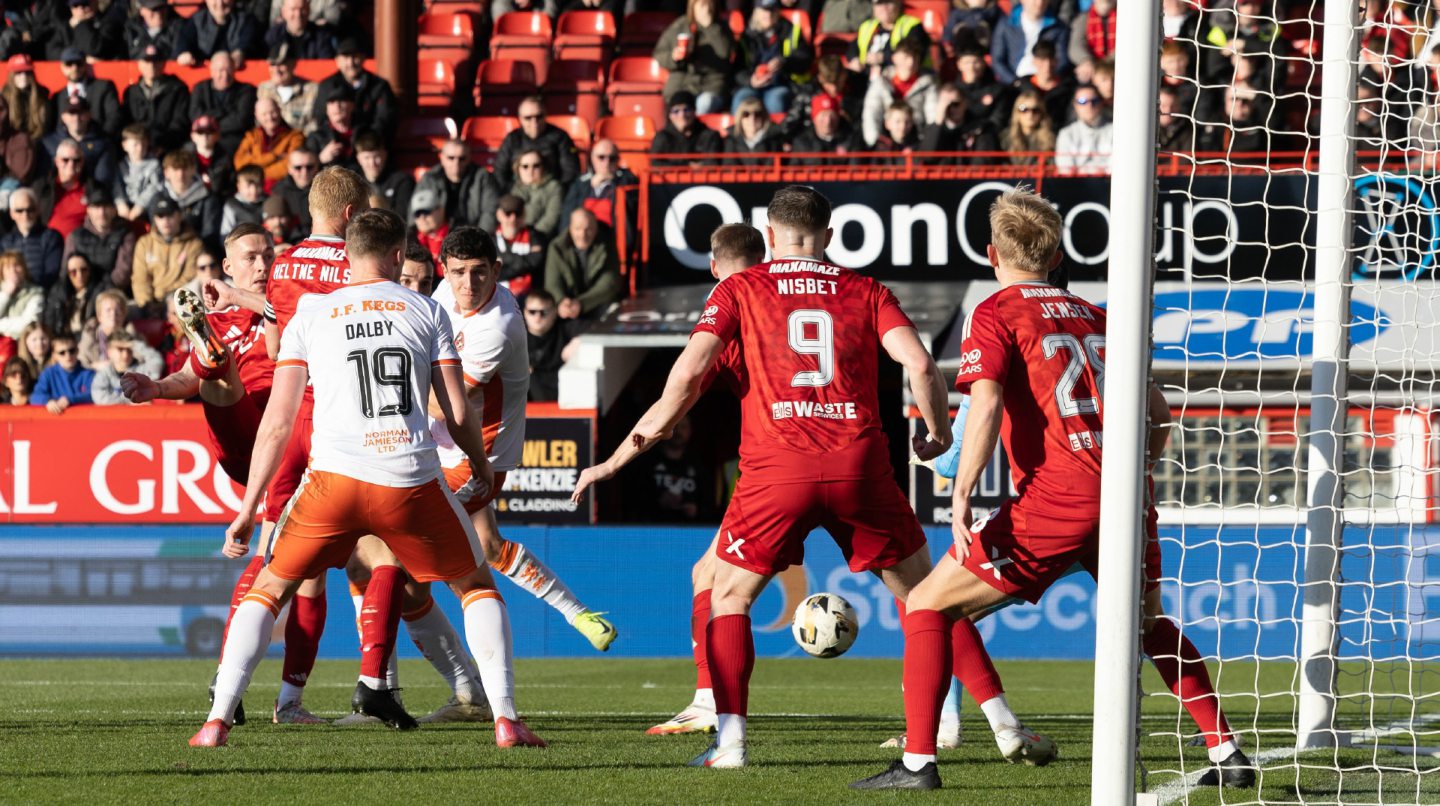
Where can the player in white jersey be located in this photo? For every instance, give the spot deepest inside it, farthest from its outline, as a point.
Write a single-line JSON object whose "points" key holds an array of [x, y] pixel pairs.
{"points": [[373, 351]]}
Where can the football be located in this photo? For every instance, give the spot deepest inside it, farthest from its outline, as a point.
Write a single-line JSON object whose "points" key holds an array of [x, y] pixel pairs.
{"points": [[825, 625]]}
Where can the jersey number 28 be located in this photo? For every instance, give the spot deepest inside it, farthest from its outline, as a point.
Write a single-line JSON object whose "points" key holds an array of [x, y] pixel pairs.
{"points": [[1081, 353], [389, 366]]}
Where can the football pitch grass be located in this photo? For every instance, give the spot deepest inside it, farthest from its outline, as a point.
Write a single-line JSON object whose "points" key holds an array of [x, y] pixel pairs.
{"points": [[112, 731]]}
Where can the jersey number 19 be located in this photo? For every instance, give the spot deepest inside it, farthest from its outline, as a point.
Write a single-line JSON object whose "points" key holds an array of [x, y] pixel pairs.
{"points": [[387, 366]]}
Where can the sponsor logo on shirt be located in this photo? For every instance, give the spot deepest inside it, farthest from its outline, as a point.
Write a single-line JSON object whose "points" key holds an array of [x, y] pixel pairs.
{"points": [[708, 317], [786, 409], [970, 363]]}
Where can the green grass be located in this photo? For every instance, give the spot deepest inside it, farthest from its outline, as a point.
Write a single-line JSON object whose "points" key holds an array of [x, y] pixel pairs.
{"points": [[111, 731]]}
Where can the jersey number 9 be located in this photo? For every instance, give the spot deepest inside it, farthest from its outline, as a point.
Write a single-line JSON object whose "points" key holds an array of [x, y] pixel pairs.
{"points": [[819, 342]]}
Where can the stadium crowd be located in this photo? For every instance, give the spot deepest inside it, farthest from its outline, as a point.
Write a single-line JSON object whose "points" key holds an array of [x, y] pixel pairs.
{"points": [[117, 196]]}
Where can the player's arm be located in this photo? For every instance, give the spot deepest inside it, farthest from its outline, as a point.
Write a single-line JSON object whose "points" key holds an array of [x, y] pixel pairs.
{"points": [[141, 388], [982, 431], [464, 426], [1160, 422], [287, 391], [926, 384], [272, 338], [220, 294]]}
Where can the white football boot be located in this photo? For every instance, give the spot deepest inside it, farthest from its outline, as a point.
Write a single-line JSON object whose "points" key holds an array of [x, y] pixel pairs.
{"points": [[1020, 744], [729, 757]]}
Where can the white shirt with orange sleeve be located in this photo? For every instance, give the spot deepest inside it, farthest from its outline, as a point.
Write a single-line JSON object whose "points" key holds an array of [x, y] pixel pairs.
{"points": [[494, 352], [370, 349]]}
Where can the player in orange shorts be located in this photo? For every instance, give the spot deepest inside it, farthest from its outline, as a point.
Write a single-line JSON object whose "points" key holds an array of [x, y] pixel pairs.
{"points": [[373, 350]]}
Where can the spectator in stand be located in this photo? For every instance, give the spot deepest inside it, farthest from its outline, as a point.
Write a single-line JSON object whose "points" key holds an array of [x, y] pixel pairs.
{"points": [[295, 187], [843, 16], [21, 299], [99, 93], [958, 131], [1030, 129], [1180, 23], [535, 133], [216, 27], [229, 102], [542, 194], [155, 24], [70, 303], [139, 180], [697, 49], [1104, 81], [1177, 73], [61, 194], [431, 226], [417, 272], [112, 311], [551, 341], [394, 186], [684, 133], [773, 60], [323, 12], [214, 165], [271, 144], [467, 191], [984, 96], [28, 102], [294, 96], [1084, 146], [64, 383], [899, 134], [831, 78], [120, 359], [86, 32], [375, 105], [208, 266], [17, 150], [522, 249], [107, 245], [1015, 38], [164, 257], [1370, 127], [1175, 129], [19, 383], [1056, 89], [1092, 38], [879, 36], [76, 125], [669, 484], [753, 133], [34, 347], [582, 269], [306, 39], [828, 133], [500, 7], [970, 25], [903, 82], [1245, 29], [1243, 130], [596, 190], [334, 138], [159, 101], [40, 245], [277, 220], [200, 207]]}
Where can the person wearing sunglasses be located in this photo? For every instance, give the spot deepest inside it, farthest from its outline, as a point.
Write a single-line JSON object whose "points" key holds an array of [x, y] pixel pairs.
{"points": [[1084, 146], [60, 196], [40, 245], [64, 383], [302, 167], [467, 191], [754, 133], [596, 190], [535, 133], [97, 148], [540, 190], [684, 133], [1029, 131]]}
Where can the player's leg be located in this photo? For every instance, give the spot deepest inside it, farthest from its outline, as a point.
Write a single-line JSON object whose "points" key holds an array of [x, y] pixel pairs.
{"points": [[437, 640], [730, 648], [209, 356], [377, 689], [699, 715], [949, 736], [303, 629], [237, 595]]}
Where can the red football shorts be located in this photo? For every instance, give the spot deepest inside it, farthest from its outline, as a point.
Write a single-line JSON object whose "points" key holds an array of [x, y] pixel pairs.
{"points": [[232, 432], [458, 479], [292, 463], [766, 525]]}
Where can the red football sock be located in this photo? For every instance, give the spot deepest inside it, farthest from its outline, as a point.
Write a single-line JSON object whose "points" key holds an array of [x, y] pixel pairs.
{"points": [[380, 620], [926, 677], [302, 638], [204, 371], [972, 662], [900, 613], [1180, 666], [699, 620], [731, 652], [242, 587]]}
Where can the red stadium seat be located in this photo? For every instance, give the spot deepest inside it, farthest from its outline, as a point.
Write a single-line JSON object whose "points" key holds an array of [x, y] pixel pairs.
{"points": [[800, 19], [484, 135], [585, 27], [507, 75], [436, 82], [635, 75], [630, 132], [447, 29], [573, 88], [523, 28], [649, 105], [640, 31], [719, 121], [575, 126], [932, 15]]}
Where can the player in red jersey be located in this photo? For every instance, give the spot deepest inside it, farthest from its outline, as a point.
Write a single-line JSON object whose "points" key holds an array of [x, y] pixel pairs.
{"points": [[1035, 354]]}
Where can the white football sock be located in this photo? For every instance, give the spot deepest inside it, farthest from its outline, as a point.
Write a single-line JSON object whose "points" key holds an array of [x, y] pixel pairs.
{"points": [[705, 698], [487, 631], [997, 711], [731, 730], [245, 646], [372, 683], [289, 692], [915, 761], [527, 571], [1222, 751], [437, 640]]}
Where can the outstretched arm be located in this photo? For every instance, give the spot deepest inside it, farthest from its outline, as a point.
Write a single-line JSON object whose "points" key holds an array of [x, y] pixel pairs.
{"points": [[270, 441], [140, 388], [926, 384], [449, 384], [982, 430]]}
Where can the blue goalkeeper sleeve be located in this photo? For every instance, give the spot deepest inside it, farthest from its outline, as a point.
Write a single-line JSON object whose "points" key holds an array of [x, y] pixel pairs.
{"points": [[947, 463]]}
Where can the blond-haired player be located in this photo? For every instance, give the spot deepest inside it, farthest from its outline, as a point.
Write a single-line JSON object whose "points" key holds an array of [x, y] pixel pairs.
{"points": [[373, 351]]}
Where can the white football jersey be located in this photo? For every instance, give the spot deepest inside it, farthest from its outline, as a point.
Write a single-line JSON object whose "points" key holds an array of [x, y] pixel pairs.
{"points": [[494, 352], [370, 349]]}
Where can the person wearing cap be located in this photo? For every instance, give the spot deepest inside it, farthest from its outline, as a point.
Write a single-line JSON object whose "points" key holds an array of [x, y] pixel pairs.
{"points": [[394, 186], [582, 269], [159, 101], [155, 23], [774, 59], [522, 249], [292, 94], [306, 39], [878, 36], [431, 226], [84, 30], [213, 163], [107, 245], [17, 150], [229, 102], [165, 257], [276, 218], [215, 27], [27, 100], [334, 138], [61, 194], [537, 133], [696, 48], [684, 133], [828, 133], [99, 93], [375, 105], [468, 192], [40, 245], [270, 143]]}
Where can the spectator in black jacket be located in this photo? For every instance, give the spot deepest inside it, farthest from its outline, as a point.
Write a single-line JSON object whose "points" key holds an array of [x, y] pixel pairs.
{"points": [[753, 133], [307, 40], [70, 303], [301, 167], [40, 245], [200, 208], [549, 340], [107, 244], [395, 187], [216, 27], [535, 133], [85, 31], [154, 23], [231, 103], [773, 59], [375, 104], [684, 133], [828, 133], [98, 150], [958, 130], [159, 101], [99, 93], [522, 249], [334, 138], [596, 190], [467, 191], [214, 165]]}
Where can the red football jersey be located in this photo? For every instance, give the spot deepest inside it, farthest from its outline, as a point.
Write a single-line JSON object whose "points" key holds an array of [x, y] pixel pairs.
{"points": [[809, 337], [1046, 347], [316, 265], [244, 333]]}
